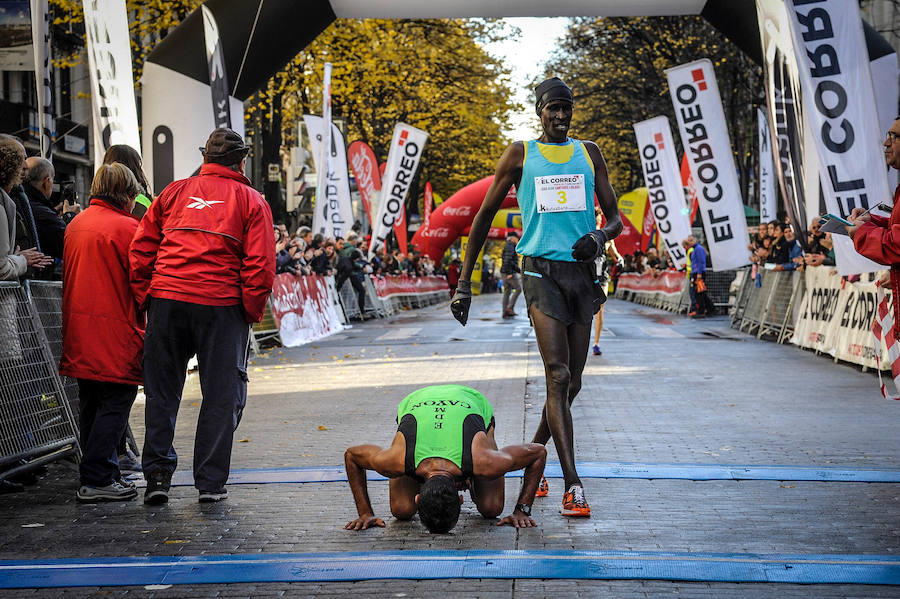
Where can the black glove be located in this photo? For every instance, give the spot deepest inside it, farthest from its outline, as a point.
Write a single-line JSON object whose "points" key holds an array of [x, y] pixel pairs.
{"points": [[461, 301], [589, 246]]}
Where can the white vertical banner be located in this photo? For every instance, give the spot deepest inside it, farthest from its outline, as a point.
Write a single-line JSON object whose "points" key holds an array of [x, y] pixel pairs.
{"points": [[218, 78], [40, 35], [884, 79], [704, 136], [839, 102], [112, 84], [662, 176], [406, 149], [768, 205], [333, 206], [321, 214]]}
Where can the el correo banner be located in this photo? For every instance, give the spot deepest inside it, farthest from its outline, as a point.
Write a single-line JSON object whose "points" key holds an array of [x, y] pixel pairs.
{"points": [[112, 86], [704, 136], [835, 317], [333, 207], [768, 208], [662, 176], [839, 101], [403, 160]]}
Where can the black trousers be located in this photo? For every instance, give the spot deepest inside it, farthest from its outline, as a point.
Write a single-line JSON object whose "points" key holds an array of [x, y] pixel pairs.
{"points": [[103, 411], [219, 336]]}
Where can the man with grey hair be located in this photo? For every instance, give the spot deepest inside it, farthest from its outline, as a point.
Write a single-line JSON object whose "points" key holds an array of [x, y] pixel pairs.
{"points": [[38, 185], [13, 261]]}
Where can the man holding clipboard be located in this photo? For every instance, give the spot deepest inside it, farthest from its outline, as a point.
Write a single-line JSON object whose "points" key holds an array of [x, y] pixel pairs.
{"points": [[876, 237]]}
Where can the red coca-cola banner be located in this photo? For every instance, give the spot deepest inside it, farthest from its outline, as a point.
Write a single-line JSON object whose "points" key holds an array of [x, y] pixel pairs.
{"points": [[391, 285], [365, 168], [669, 282], [303, 309]]}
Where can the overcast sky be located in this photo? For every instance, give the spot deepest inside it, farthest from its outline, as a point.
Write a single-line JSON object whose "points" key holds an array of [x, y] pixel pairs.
{"points": [[527, 57]]}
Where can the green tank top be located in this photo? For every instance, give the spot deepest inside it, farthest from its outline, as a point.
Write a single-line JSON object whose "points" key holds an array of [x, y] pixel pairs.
{"points": [[440, 421], [143, 200]]}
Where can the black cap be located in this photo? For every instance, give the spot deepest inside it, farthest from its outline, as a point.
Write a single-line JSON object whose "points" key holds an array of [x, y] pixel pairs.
{"points": [[549, 90], [225, 146]]}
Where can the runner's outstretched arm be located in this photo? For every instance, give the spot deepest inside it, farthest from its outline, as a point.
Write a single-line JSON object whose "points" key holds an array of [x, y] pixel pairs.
{"points": [[357, 460], [508, 172]]}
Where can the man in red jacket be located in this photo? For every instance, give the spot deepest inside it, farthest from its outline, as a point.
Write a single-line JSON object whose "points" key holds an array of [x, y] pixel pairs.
{"points": [[202, 263], [878, 238]]}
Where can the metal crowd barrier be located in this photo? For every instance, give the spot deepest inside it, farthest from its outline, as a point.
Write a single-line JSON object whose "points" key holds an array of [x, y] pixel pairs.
{"points": [[766, 304], [37, 423], [719, 285]]}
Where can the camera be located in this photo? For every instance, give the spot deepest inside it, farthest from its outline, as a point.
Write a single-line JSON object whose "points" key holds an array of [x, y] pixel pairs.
{"points": [[67, 192]]}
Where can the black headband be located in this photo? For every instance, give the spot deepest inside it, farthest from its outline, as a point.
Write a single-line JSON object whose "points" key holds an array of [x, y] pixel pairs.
{"points": [[549, 90]]}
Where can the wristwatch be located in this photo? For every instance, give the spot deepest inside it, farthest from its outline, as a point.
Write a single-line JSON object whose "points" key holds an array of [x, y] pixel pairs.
{"points": [[525, 509]]}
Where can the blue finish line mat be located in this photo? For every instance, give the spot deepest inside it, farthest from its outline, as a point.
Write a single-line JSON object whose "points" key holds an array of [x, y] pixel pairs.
{"points": [[325, 474], [415, 565]]}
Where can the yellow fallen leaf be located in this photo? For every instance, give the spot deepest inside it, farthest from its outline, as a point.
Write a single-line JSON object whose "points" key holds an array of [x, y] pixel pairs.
{"points": [[280, 352], [339, 362], [346, 355], [245, 440], [334, 357], [176, 541], [323, 428], [257, 369]]}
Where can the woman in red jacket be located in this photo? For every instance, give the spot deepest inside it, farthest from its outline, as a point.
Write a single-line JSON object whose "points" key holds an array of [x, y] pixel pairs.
{"points": [[103, 328]]}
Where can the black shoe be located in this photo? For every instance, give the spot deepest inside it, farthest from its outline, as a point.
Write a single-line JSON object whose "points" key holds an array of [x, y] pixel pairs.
{"points": [[157, 491], [213, 496]]}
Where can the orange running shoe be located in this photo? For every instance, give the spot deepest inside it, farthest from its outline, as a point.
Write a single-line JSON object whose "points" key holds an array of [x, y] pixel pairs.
{"points": [[573, 503], [543, 489]]}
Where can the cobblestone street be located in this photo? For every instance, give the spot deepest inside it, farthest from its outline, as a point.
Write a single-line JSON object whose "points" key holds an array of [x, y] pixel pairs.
{"points": [[666, 391]]}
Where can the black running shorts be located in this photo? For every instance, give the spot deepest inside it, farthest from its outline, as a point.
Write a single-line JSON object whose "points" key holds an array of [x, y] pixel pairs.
{"points": [[567, 291]]}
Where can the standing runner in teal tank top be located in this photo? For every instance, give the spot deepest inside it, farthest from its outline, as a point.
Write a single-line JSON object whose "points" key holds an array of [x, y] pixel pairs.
{"points": [[556, 179]]}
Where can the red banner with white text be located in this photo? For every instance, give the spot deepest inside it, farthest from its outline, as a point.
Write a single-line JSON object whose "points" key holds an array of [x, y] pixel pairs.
{"points": [[391, 285]]}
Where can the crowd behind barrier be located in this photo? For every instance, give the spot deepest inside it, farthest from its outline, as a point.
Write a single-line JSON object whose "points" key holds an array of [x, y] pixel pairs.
{"points": [[814, 308]]}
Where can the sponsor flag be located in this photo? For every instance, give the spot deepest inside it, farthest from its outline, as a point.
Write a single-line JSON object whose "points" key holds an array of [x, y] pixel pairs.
{"points": [[704, 135], [112, 85], [321, 214], [403, 161], [40, 34], [218, 78], [767, 201], [883, 330], [362, 161], [427, 201], [839, 103], [333, 208], [687, 182], [665, 205], [632, 208]]}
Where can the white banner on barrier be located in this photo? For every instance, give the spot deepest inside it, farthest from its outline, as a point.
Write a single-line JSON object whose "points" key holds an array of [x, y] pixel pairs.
{"points": [[662, 176], [704, 136], [768, 205], [839, 102], [836, 317]]}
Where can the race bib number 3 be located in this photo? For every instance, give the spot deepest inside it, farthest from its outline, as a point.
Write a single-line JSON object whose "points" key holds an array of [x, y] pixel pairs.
{"points": [[560, 193]]}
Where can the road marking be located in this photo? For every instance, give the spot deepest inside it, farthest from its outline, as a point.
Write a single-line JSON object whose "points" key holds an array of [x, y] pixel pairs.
{"points": [[324, 474], [418, 565], [399, 334], [661, 332]]}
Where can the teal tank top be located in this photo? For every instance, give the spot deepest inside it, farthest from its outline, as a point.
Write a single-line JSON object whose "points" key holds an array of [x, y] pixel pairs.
{"points": [[556, 197]]}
